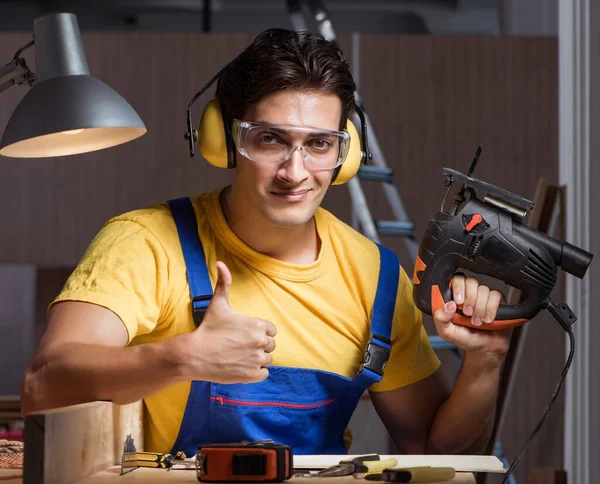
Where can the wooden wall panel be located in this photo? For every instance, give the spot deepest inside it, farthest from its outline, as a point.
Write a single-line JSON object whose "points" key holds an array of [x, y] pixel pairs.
{"points": [[432, 100], [17, 288], [53, 207], [49, 283]]}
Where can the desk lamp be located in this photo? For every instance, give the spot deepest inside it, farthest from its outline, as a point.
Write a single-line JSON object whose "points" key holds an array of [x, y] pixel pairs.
{"points": [[67, 111]]}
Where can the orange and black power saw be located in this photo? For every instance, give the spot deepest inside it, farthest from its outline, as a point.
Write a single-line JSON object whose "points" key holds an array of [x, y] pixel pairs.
{"points": [[487, 236]]}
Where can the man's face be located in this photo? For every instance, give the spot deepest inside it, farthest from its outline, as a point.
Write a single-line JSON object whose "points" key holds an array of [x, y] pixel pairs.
{"points": [[287, 194]]}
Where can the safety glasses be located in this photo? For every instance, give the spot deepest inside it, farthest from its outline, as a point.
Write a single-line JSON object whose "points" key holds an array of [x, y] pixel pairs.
{"points": [[272, 144]]}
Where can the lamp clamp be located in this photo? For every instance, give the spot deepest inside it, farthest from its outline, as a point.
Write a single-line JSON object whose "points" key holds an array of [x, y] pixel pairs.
{"points": [[21, 73]]}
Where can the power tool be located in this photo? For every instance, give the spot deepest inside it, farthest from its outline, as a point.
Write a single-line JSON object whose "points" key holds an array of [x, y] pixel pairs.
{"points": [[486, 235]]}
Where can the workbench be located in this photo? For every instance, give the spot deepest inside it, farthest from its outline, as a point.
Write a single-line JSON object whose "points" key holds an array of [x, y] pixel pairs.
{"points": [[84, 444], [112, 475]]}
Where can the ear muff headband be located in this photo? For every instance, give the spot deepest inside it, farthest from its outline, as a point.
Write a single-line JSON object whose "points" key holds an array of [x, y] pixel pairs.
{"points": [[192, 135], [217, 147]]}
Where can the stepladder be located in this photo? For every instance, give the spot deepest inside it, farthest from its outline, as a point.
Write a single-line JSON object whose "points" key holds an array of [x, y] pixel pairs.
{"points": [[377, 169]]}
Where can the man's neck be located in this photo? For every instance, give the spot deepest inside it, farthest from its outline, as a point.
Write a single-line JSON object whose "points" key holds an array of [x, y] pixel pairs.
{"points": [[297, 245]]}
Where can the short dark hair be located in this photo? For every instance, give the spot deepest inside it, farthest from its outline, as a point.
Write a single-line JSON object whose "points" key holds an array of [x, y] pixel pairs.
{"points": [[281, 59]]}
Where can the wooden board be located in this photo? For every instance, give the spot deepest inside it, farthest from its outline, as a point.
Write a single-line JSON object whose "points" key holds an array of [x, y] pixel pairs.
{"points": [[70, 443], [160, 475], [84, 443], [11, 476], [467, 463], [10, 402]]}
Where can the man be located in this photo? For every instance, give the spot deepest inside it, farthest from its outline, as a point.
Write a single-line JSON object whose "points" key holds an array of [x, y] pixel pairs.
{"points": [[279, 351]]}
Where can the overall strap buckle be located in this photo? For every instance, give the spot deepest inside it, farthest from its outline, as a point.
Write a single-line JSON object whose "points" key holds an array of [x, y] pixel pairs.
{"points": [[199, 307], [379, 346], [377, 354]]}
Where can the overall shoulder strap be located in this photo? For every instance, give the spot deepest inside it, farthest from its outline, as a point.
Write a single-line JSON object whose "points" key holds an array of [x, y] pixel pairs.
{"points": [[378, 349], [385, 298], [201, 290]]}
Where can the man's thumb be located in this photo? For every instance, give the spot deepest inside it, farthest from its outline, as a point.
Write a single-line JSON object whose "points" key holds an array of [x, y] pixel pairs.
{"points": [[223, 284], [445, 314]]}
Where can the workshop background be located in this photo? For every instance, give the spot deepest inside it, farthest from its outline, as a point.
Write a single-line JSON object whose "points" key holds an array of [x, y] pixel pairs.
{"points": [[438, 78]]}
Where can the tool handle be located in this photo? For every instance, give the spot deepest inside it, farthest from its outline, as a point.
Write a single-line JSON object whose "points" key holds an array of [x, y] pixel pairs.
{"points": [[360, 458], [432, 289], [375, 466], [414, 474], [507, 316], [430, 474]]}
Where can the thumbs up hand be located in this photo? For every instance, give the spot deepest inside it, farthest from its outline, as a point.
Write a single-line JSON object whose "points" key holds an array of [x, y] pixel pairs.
{"points": [[229, 347]]}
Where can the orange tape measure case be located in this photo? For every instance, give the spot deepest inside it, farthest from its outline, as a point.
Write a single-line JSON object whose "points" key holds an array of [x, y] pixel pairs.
{"points": [[252, 461]]}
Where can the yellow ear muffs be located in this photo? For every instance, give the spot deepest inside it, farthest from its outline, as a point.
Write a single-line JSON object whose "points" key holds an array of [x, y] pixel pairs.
{"points": [[353, 159], [212, 140]]}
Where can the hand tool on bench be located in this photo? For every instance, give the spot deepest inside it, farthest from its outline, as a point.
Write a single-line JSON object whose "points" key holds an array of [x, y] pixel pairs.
{"points": [[358, 466], [414, 474], [132, 459]]}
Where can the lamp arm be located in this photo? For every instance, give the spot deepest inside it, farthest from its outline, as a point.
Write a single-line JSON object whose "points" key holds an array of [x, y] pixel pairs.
{"points": [[320, 13], [18, 66]]}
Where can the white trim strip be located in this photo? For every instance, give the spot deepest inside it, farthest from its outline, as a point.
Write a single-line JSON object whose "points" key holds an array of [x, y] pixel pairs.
{"points": [[574, 173]]}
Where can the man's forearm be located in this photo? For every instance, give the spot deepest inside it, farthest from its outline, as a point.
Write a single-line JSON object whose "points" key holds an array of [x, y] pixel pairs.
{"points": [[464, 422], [77, 373]]}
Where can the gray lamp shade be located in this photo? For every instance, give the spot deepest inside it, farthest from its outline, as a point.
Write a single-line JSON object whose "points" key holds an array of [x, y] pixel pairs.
{"points": [[67, 111]]}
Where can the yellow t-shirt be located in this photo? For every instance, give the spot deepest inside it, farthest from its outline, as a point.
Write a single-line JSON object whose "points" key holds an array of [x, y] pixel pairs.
{"points": [[135, 268]]}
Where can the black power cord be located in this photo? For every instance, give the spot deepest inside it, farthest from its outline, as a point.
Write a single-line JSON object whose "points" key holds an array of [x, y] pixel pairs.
{"points": [[567, 328]]}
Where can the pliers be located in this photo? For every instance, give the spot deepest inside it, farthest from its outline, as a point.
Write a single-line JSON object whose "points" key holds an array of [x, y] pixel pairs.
{"points": [[358, 467]]}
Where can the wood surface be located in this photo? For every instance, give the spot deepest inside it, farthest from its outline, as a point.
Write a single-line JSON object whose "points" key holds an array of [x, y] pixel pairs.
{"points": [[17, 294], [11, 476], [461, 463], [70, 443], [160, 475], [10, 408], [84, 443], [546, 476], [150, 476]]}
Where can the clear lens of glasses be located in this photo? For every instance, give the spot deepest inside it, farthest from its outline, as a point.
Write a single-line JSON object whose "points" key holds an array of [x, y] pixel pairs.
{"points": [[275, 144]]}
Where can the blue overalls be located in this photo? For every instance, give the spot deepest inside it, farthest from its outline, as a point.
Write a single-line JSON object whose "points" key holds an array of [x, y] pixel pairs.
{"points": [[303, 408]]}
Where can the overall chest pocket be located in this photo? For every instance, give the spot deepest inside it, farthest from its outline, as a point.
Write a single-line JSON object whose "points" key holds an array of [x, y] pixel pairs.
{"points": [[293, 406]]}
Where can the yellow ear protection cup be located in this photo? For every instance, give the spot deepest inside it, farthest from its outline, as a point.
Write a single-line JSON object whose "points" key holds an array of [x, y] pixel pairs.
{"points": [[217, 147], [353, 159], [356, 156], [212, 140], [213, 134]]}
